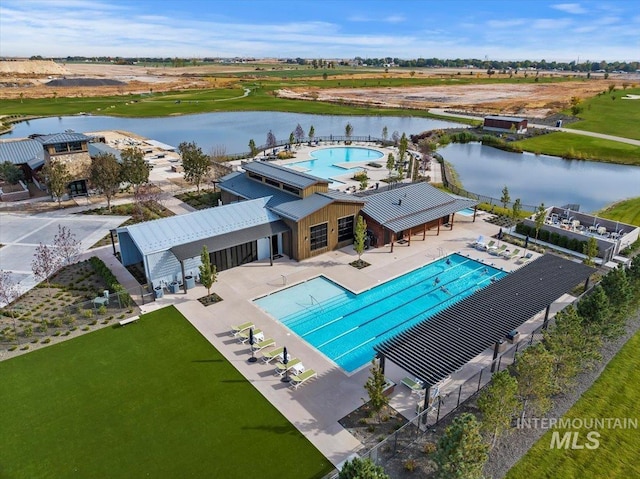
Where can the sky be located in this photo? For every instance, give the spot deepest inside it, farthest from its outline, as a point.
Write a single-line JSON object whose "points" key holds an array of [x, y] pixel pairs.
{"points": [[493, 29]]}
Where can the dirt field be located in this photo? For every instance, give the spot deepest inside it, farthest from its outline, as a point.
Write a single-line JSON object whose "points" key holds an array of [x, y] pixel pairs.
{"points": [[28, 78]]}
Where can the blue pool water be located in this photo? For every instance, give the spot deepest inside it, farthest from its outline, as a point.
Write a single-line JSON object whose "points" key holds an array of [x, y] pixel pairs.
{"points": [[346, 326], [466, 212], [324, 160]]}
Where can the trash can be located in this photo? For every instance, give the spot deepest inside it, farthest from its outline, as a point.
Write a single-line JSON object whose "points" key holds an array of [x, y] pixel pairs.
{"points": [[174, 287], [190, 282], [559, 124], [158, 292]]}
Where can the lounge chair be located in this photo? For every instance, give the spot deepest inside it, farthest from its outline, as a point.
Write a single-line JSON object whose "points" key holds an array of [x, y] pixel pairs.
{"points": [[476, 243], [511, 254], [294, 364], [269, 356], [235, 330], [525, 259], [298, 380], [414, 384], [489, 245], [264, 344], [243, 336], [498, 251]]}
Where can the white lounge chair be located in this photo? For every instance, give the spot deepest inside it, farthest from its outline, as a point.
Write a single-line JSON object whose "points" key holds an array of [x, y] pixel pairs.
{"points": [[298, 380], [264, 344], [294, 365], [243, 336], [235, 330], [414, 384], [276, 353]]}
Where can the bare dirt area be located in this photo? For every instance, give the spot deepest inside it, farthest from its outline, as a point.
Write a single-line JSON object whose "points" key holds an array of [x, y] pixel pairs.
{"points": [[530, 99]]}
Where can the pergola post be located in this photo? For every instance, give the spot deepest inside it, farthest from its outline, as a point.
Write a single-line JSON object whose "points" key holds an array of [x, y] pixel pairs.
{"points": [[427, 394], [113, 243], [586, 283], [409, 237], [184, 281], [475, 210], [451, 222], [270, 250], [496, 351], [424, 232], [381, 362], [393, 238], [545, 323], [439, 222]]}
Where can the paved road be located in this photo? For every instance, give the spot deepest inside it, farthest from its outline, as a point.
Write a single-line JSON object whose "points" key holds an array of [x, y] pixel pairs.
{"points": [[630, 141]]}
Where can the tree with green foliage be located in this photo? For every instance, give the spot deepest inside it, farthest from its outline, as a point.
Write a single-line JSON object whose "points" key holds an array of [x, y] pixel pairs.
{"points": [[516, 209], [539, 218], [11, 173], [534, 372], [358, 468], [57, 179], [572, 347], [348, 131], [292, 138], [634, 271], [375, 386], [385, 133], [105, 175], [391, 163], [359, 236], [461, 452], [498, 404], [618, 290], [590, 250], [505, 198], [208, 272], [312, 133], [252, 147], [195, 163], [135, 170], [402, 153], [594, 310]]}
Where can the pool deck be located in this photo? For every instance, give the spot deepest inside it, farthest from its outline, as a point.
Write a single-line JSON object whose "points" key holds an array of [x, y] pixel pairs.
{"points": [[316, 407]]}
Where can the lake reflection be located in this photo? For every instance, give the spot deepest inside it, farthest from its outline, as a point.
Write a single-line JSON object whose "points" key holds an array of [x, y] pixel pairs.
{"points": [[231, 130], [540, 178]]}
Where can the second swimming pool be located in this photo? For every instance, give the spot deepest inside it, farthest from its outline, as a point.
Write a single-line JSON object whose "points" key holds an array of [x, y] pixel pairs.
{"points": [[346, 326]]}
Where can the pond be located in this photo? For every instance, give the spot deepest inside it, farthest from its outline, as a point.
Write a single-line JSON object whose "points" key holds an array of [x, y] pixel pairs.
{"points": [[540, 178], [231, 130]]}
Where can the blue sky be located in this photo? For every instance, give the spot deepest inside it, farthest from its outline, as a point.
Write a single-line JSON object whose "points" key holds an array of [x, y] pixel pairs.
{"points": [[496, 29]]}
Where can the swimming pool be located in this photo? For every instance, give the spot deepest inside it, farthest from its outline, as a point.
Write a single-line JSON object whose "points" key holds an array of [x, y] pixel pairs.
{"points": [[324, 160], [345, 326], [466, 212]]}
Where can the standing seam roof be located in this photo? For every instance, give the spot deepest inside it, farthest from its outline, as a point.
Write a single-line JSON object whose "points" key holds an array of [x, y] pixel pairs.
{"points": [[281, 173], [20, 152]]}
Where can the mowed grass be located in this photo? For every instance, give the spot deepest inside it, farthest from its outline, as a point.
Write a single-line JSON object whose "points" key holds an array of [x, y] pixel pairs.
{"points": [[616, 116], [569, 145], [626, 211], [615, 394], [152, 399]]}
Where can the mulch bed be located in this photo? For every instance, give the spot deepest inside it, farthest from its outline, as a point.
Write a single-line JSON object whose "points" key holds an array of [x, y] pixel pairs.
{"points": [[359, 263], [213, 298]]}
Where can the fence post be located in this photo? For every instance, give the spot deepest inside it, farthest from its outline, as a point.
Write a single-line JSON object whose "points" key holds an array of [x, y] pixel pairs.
{"points": [[479, 379], [459, 394]]}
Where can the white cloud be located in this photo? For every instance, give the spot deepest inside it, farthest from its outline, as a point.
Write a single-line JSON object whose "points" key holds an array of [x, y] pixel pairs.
{"points": [[551, 24], [574, 8], [516, 22]]}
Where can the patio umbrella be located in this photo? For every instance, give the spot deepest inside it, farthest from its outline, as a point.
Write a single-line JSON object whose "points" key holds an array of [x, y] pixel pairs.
{"points": [[252, 341], [500, 234], [526, 242], [285, 361]]}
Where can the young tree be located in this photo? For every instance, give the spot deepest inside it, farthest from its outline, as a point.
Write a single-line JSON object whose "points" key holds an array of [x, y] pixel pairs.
{"points": [[66, 247], [208, 273], [312, 133], [385, 134], [505, 198], [299, 133], [348, 131], [358, 468], [271, 140], [218, 153], [425, 147], [590, 250], [195, 163], [57, 178], [402, 152], [134, 170], [539, 218], [516, 209], [534, 372], [252, 147], [498, 404], [105, 175], [292, 138], [8, 289], [461, 452], [45, 262], [594, 309], [391, 163], [395, 137], [618, 290], [359, 236], [375, 386]]}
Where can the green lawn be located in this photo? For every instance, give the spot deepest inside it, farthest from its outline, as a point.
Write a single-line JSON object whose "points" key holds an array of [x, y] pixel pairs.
{"points": [[152, 399], [568, 145], [615, 394], [626, 211]]}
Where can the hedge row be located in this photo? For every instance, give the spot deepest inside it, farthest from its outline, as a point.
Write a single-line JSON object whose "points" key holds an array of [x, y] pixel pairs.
{"points": [[110, 279], [554, 238]]}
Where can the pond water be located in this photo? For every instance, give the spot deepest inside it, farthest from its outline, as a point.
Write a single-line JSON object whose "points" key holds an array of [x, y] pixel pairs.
{"points": [[232, 130], [540, 178]]}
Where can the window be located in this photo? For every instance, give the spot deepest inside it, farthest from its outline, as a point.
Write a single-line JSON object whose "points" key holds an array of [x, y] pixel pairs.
{"points": [[318, 236], [75, 146], [271, 182], [345, 228], [60, 147], [291, 189]]}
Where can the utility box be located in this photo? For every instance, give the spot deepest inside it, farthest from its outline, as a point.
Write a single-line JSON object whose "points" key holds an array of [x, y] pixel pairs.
{"points": [[513, 337], [501, 346]]}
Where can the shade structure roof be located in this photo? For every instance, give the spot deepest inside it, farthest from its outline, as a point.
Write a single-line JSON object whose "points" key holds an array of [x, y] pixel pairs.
{"points": [[438, 346], [412, 205], [167, 233]]}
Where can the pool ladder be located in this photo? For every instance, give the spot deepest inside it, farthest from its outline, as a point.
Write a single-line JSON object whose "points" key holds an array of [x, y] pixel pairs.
{"points": [[317, 302], [441, 252]]}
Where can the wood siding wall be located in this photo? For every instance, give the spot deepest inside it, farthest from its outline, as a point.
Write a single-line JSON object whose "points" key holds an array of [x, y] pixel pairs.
{"points": [[385, 236], [317, 188]]}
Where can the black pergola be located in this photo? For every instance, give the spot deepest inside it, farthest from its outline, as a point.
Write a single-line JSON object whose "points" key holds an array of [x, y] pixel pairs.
{"points": [[440, 345]]}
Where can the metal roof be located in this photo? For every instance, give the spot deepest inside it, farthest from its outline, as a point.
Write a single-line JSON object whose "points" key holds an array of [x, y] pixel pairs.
{"points": [[504, 118], [438, 346], [165, 233], [66, 137], [300, 208], [411, 206], [96, 149], [160, 145], [238, 184], [227, 240], [283, 174], [20, 152]]}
